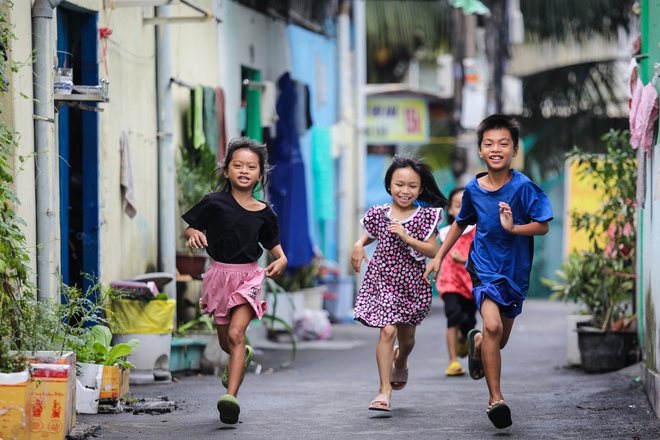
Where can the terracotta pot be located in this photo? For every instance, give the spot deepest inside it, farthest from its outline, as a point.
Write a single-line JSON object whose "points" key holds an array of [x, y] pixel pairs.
{"points": [[191, 264]]}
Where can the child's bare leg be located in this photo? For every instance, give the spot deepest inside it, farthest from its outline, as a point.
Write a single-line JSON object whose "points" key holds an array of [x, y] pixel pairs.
{"points": [[240, 318], [496, 331], [384, 357], [452, 339], [406, 337], [223, 332]]}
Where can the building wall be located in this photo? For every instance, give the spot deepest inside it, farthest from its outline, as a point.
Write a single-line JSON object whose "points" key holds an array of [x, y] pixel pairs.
{"points": [[17, 111], [129, 246], [248, 38], [648, 240]]}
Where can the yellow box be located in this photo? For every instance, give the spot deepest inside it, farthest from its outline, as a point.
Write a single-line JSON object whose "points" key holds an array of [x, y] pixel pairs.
{"points": [[15, 410], [114, 384], [53, 394]]}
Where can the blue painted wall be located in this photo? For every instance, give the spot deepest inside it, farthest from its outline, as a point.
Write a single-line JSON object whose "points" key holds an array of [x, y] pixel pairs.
{"points": [[314, 62]]}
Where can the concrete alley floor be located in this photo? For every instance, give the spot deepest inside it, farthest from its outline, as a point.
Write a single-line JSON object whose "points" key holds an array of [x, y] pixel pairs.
{"points": [[326, 392]]}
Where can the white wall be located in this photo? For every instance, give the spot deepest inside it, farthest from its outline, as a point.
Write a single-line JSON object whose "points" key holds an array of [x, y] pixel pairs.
{"points": [[128, 246], [18, 112], [250, 39]]}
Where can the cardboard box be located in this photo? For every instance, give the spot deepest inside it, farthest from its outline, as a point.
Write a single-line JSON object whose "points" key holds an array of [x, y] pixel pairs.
{"points": [[53, 394], [15, 410], [114, 384]]}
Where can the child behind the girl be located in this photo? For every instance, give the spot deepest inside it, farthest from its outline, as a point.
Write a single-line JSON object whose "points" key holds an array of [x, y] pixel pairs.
{"points": [[455, 288], [231, 224], [393, 296]]}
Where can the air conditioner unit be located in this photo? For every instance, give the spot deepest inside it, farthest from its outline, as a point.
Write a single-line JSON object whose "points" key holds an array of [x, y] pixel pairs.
{"points": [[109, 4], [445, 76]]}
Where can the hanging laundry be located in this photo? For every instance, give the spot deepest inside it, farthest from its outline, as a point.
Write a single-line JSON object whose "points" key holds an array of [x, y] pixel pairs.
{"points": [[303, 115], [287, 189], [222, 122], [268, 102], [126, 176], [323, 167], [643, 120], [196, 117], [210, 118]]}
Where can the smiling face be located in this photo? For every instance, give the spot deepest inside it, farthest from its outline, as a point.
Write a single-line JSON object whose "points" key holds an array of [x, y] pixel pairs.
{"points": [[243, 170], [405, 187], [455, 204], [497, 149]]}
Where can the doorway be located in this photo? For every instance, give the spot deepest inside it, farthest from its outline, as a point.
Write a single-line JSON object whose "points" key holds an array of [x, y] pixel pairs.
{"points": [[78, 139]]}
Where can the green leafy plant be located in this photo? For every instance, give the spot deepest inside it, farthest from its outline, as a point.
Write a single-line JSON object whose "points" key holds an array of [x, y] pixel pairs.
{"points": [[602, 279], [201, 322], [17, 292], [270, 318], [301, 277], [597, 284], [12, 362], [97, 349], [194, 174]]}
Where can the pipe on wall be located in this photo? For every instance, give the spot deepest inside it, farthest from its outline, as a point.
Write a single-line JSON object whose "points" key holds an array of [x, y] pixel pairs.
{"points": [[46, 160], [166, 173]]}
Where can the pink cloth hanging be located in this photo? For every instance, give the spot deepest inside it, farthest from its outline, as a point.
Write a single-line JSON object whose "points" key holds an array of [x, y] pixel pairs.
{"points": [[643, 120]]}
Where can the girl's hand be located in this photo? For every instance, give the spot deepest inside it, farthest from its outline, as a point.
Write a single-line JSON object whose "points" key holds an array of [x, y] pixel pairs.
{"points": [[397, 228], [506, 217], [197, 240], [275, 269], [357, 256]]}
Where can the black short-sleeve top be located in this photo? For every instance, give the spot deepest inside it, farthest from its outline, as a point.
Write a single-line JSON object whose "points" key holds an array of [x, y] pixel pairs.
{"points": [[233, 233]]}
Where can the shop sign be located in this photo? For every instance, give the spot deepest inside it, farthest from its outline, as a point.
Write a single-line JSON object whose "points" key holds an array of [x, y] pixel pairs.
{"points": [[397, 121]]}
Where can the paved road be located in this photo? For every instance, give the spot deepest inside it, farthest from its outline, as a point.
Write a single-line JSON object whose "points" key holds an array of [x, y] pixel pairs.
{"points": [[325, 394]]}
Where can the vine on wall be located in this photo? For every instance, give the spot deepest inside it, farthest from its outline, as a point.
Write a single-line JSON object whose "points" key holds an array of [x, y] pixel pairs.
{"points": [[17, 292]]}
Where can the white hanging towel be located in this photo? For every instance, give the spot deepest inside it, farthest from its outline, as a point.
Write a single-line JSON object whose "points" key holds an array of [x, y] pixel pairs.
{"points": [[268, 101], [126, 176]]}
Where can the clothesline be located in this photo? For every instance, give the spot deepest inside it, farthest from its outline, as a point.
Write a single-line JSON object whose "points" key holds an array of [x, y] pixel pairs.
{"points": [[181, 83], [249, 83]]}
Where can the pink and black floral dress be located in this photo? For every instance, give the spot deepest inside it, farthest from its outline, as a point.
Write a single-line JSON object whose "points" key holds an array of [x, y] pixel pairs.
{"points": [[393, 290]]}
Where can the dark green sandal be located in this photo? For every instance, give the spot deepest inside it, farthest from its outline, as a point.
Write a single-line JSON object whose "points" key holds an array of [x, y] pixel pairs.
{"points": [[229, 409], [475, 367], [249, 355]]}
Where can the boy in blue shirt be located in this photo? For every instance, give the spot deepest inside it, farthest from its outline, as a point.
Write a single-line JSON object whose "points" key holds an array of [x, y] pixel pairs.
{"points": [[509, 210]]}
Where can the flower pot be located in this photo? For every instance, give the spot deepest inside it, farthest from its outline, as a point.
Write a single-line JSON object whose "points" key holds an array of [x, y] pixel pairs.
{"points": [[186, 355], [601, 352], [53, 394], [88, 387], [15, 405], [191, 264]]}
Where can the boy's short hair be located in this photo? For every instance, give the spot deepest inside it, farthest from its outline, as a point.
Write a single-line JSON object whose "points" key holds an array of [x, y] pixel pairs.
{"points": [[496, 121]]}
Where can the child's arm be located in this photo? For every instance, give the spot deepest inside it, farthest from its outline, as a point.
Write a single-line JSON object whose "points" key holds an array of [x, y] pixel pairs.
{"points": [[455, 231], [530, 229], [196, 239], [275, 269], [427, 248], [358, 251]]}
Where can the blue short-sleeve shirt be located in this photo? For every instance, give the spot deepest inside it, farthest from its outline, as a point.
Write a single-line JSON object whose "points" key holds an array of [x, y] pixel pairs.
{"points": [[497, 254]]}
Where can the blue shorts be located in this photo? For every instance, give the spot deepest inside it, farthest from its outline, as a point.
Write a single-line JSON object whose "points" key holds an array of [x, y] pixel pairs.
{"points": [[509, 301]]}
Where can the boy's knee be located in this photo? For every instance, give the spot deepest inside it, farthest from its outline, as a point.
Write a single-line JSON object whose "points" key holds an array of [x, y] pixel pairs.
{"points": [[492, 329]]}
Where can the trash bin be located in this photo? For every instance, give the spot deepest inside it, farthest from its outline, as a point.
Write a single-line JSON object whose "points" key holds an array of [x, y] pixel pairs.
{"points": [[339, 298]]}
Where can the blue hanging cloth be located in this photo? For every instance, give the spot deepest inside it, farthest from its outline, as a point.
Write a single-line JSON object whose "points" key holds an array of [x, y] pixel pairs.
{"points": [[287, 190]]}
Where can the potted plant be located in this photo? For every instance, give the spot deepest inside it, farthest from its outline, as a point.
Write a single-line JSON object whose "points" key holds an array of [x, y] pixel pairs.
{"points": [[14, 394], [195, 173], [601, 279]]}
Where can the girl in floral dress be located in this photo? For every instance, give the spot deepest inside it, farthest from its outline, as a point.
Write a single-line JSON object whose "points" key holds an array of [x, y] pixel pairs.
{"points": [[394, 297]]}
